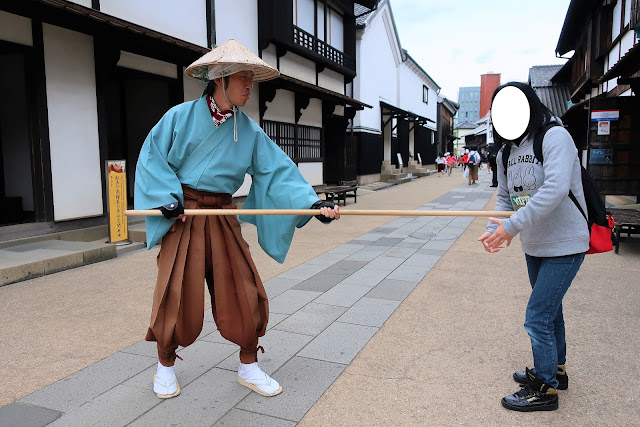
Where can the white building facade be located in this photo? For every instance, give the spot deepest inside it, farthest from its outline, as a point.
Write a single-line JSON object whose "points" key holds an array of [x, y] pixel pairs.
{"points": [[84, 81], [400, 127]]}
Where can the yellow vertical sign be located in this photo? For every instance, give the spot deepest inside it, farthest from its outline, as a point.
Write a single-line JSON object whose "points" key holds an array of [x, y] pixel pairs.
{"points": [[117, 194]]}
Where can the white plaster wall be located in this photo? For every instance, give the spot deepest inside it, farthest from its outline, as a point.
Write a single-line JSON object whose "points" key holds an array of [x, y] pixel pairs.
{"points": [[411, 94], [237, 19], [312, 115], [377, 72], [331, 80], [85, 3], [269, 56], [312, 172], [147, 65], [73, 123], [192, 88], [617, 15], [626, 42], [281, 109], [15, 28], [184, 19], [244, 188], [614, 55], [298, 67]]}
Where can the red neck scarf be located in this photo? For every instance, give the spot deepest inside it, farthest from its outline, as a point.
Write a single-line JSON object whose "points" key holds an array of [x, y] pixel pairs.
{"points": [[218, 116]]}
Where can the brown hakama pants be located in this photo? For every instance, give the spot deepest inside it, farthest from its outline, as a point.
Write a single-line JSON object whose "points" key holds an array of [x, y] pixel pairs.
{"points": [[207, 248]]}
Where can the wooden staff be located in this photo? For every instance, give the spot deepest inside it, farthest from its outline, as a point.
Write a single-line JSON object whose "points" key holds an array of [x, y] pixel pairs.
{"points": [[313, 212]]}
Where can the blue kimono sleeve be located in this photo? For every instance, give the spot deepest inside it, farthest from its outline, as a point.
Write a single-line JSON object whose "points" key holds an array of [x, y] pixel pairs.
{"points": [[156, 181], [277, 184]]}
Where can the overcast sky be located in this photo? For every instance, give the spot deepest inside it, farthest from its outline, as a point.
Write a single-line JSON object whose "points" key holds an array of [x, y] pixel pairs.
{"points": [[456, 41]]}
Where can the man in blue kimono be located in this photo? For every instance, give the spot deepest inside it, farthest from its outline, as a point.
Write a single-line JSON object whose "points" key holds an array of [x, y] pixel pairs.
{"points": [[196, 157]]}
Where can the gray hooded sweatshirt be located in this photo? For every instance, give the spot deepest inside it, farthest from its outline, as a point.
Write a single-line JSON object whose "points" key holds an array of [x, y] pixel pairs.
{"points": [[548, 221]]}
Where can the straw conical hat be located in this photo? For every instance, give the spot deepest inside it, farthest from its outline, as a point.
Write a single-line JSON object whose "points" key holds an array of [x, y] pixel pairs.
{"points": [[229, 58]]}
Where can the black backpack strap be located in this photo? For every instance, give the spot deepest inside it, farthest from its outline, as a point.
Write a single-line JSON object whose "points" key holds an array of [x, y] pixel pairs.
{"points": [[537, 142], [575, 201], [506, 151]]}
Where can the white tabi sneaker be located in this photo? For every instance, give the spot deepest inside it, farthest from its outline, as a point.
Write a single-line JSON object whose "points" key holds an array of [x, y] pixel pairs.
{"points": [[253, 377], [165, 383]]}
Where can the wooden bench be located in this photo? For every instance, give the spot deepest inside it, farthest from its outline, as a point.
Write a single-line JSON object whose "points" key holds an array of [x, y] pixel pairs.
{"points": [[341, 192], [626, 221]]}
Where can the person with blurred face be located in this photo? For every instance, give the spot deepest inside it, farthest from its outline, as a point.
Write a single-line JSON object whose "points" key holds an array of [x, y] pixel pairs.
{"points": [[196, 157], [553, 232]]}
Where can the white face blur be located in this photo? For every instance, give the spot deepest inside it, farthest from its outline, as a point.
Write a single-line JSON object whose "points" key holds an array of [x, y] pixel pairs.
{"points": [[510, 113]]}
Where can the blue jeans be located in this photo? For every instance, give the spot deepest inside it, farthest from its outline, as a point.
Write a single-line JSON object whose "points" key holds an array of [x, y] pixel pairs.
{"points": [[550, 279]]}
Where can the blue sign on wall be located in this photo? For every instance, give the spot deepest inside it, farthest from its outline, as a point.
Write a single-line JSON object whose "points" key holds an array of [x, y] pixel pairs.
{"points": [[600, 157]]}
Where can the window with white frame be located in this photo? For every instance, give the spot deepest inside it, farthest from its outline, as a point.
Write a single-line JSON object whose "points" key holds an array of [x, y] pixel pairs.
{"points": [[425, 94]]}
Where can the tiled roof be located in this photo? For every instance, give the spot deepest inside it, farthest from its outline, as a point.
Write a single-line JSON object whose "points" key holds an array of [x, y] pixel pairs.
{"points": [[361, 13], [540, 75], [554, 96], [466, 125]]}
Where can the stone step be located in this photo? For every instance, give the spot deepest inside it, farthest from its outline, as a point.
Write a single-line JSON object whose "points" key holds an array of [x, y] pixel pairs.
{"points": [[27, 261], [399, 180]]}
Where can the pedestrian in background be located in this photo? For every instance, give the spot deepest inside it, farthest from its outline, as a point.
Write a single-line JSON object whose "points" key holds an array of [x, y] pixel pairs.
{"points": [[473, 159], [451, 163], [440, 164], [553, 232]]}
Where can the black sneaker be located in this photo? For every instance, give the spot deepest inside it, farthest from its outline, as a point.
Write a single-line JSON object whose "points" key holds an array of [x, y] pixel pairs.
{"points": [[533, 396], [561, 376]]}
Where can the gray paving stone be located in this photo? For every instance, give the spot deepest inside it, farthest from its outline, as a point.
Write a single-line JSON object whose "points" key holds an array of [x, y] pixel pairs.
{"points": [[327, 259], [346, 267], [370, 312], [385, 263], [410, 273], [401, 252], [303, 271], [423, 251], [387, 241], [303, 382], [143, 348], [413, 240], [201, 403], [117, 407], [421, 260], [321, 282], [438, 244], [238, 417], [291, 301], [83, 386], [366, 277], [409, 245], [25, 415], [347, 248], [396, 290], [367, 255], [343, 295], [312, 319], [399, 222], [362, 242], [280, 346], [275, 319], [445, 236], [339, 343], [278, 285], [371, 236], [198, 358]]}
